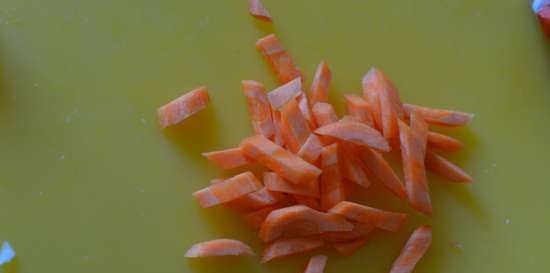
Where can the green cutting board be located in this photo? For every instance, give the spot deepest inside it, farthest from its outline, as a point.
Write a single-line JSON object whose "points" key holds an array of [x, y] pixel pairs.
{"points": [[90, 183]]}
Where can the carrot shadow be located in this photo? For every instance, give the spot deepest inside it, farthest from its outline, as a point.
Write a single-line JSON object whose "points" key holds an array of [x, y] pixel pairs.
{"points": [[11, 267], [265, 27]]}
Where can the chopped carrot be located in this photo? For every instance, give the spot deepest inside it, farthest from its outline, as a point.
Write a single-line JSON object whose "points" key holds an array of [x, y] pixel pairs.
{"points": [[445, 168], [332, 188], [350, 247], [311, 149], [414, 250], [183, 107], [382, 171], [360, 230], [284, 93], [358, 107], [288, 247], [228, 190], [257, 9], [321, 83], [388, 115], [355, 132], [324, 113], [316, 264], [274, 182], [278, 137], [228, 159], [294, 126], [379, 92], [279, 59], [256, 218], [259, 108], [350, 118], [443, 142], [440, 116], [305, 107], [300, 220], [308, 201], [258, 199], [352, 167], [284, 163], [219, 247], [390, 221]]}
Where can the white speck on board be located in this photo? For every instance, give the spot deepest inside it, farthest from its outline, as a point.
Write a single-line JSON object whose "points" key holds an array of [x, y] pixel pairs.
{"points": [[143, 121], [141, 190], [457, 245], [494, 165], [62, 157], [204, 21], [507, 221]]}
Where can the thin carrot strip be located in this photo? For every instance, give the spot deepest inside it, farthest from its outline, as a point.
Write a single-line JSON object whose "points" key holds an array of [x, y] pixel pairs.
{"points": [[219, 247], [305, 107], [295, 128], [279, 59], [274, 182], [311, 149], [228, 190], [360, 230], [256, 200], [350, 247], [324, 113], [445, 168], [256, 218], [441, 117], [414, 250], [332, 188], [294, 246], [390, 221], [183, 107], [278, 134], [382, 171], [443, 142], [257, 9], [259, 109], [316, 264], [228, 159], [352, 167], [375, 85], [284, 93], [355, 132], [321, 83], [358, 107], [308, 201]]}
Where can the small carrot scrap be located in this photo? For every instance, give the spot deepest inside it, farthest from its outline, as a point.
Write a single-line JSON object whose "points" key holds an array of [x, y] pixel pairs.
{"points": [[228, 159], [281, 161], [443, 142], [316, 264], [358, 107], [390, 221], [259, 108], [279, 59], [355, 132], [257, 9], [274, 182], [183, 107], [383, 172], [321, 83], [219, 247], [414, 250], [332, 188], [228, 190], [350, 247], [360, 230], [311, 149], [445, 168], [300, 220], [294, 246], [440, 116], [284, 93], [294, 126], [258, 199], [352, 167]]}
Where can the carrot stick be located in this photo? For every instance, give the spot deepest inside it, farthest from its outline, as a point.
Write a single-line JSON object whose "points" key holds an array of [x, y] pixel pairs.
{"points": [[311, 149], [358, 107], [259, 109], [278, 58], [441, 117], [444, 168], [308, 201], [355, 132], [360, 230], [257, 9], [256, 200], [219, 247], [284, 93], [295, 128], [228, 190], [228, 159], [352, 167], [381, 93], [390, 221], [256, 218], [443, 142], [414, 250], [324, 113], [321, 83], [294, 246], [332, 188], [284, 163], [316, 264], [183, 107], [350, 247], [278, 134], [274, 182], [303, 103], [382, 171]]}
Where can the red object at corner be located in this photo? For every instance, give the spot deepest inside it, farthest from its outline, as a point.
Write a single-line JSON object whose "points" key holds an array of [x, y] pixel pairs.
{"points": [[542, 10]]}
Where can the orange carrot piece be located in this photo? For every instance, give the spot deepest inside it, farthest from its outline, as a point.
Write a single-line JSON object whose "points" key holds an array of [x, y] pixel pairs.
{"points": [[300, 220], [316, 264], [228, 190], [321, 83], [441, 117], [183, 107], [414, 250], [256, 218], [386, 220], [355, 132], [303, 103], [350, 247], [352, 167], [324, 113], [274, 182], [311, 149], [332, 188], [308, 201], [376, 84], [445, 168], [288, 247], [443, 142], [259, 108], [388, 115], [219, 247], [258, 199], [278, 58], [382, 171], [359, 107], [257, 9], [278, 135], [228, 159], [295, 128], [281, 161], [284, 93], [360, 230]]}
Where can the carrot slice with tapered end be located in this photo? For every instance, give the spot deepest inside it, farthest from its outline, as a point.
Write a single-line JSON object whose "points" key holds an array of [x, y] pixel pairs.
{"points": [[256, 218], [259, 109], [443, 142], [295, 127], [445, 168], [281, 161], [324, 113], [382, 171], [360, 230], [359, 107], [386, 220], [257, 9], [284, 93], [228, 190], [305, 107], [442, 117], [279, 59], [219, 247], [355, 132], [311, 149], [332, 188], [278, 134], [274, 182], [300, 220], [288, 247], [388, 115], [228, 159], [183, 107], [376, 84], [352, 167], [311, 202], [316, 264], [350, 247], [414, 250], [321, 83], [258, 199]]}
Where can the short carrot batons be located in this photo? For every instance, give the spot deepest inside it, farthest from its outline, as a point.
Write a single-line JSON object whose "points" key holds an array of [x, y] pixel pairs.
{"points": [[321, 83], [443, 142], [383, 98], [414, 250], [228, 159], [311, 149], [275, 183], [219, 247], [360, 230], [258, 199], [279, 59], [352, 167], [382, 171], [183, 107], [257, 9], [391, 221], [445, 168], [356, 133], [359, 108], [284, 93], [332, 187], [295, 127], [324, 113], [228, 190], [316, 264], [440, 116], [288, 247], [259, 109]]}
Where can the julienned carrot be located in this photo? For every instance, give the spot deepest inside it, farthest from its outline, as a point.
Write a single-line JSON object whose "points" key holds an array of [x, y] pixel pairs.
{"points": [[360, 230], [351, 166], [321, 83], [355, 132], [257, 9], [256, 218], [332, 188], [308, 201], [445, 168], [300, 220], [382, 171], [376, 84], [316, 264], [228, 190], [388, 115], [287, 247], [259, 109], [278, 135], [183, 107], [350, 247], [311, 149], [391, 221], [359, 108], [279, 59], [281, 161], [274, 182], [324, 114], [443, 142], [414, 250], [440, 116], [228, 159], [284, 93], [258, 199], [305, 107], [219, 247], [294, 126]]}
